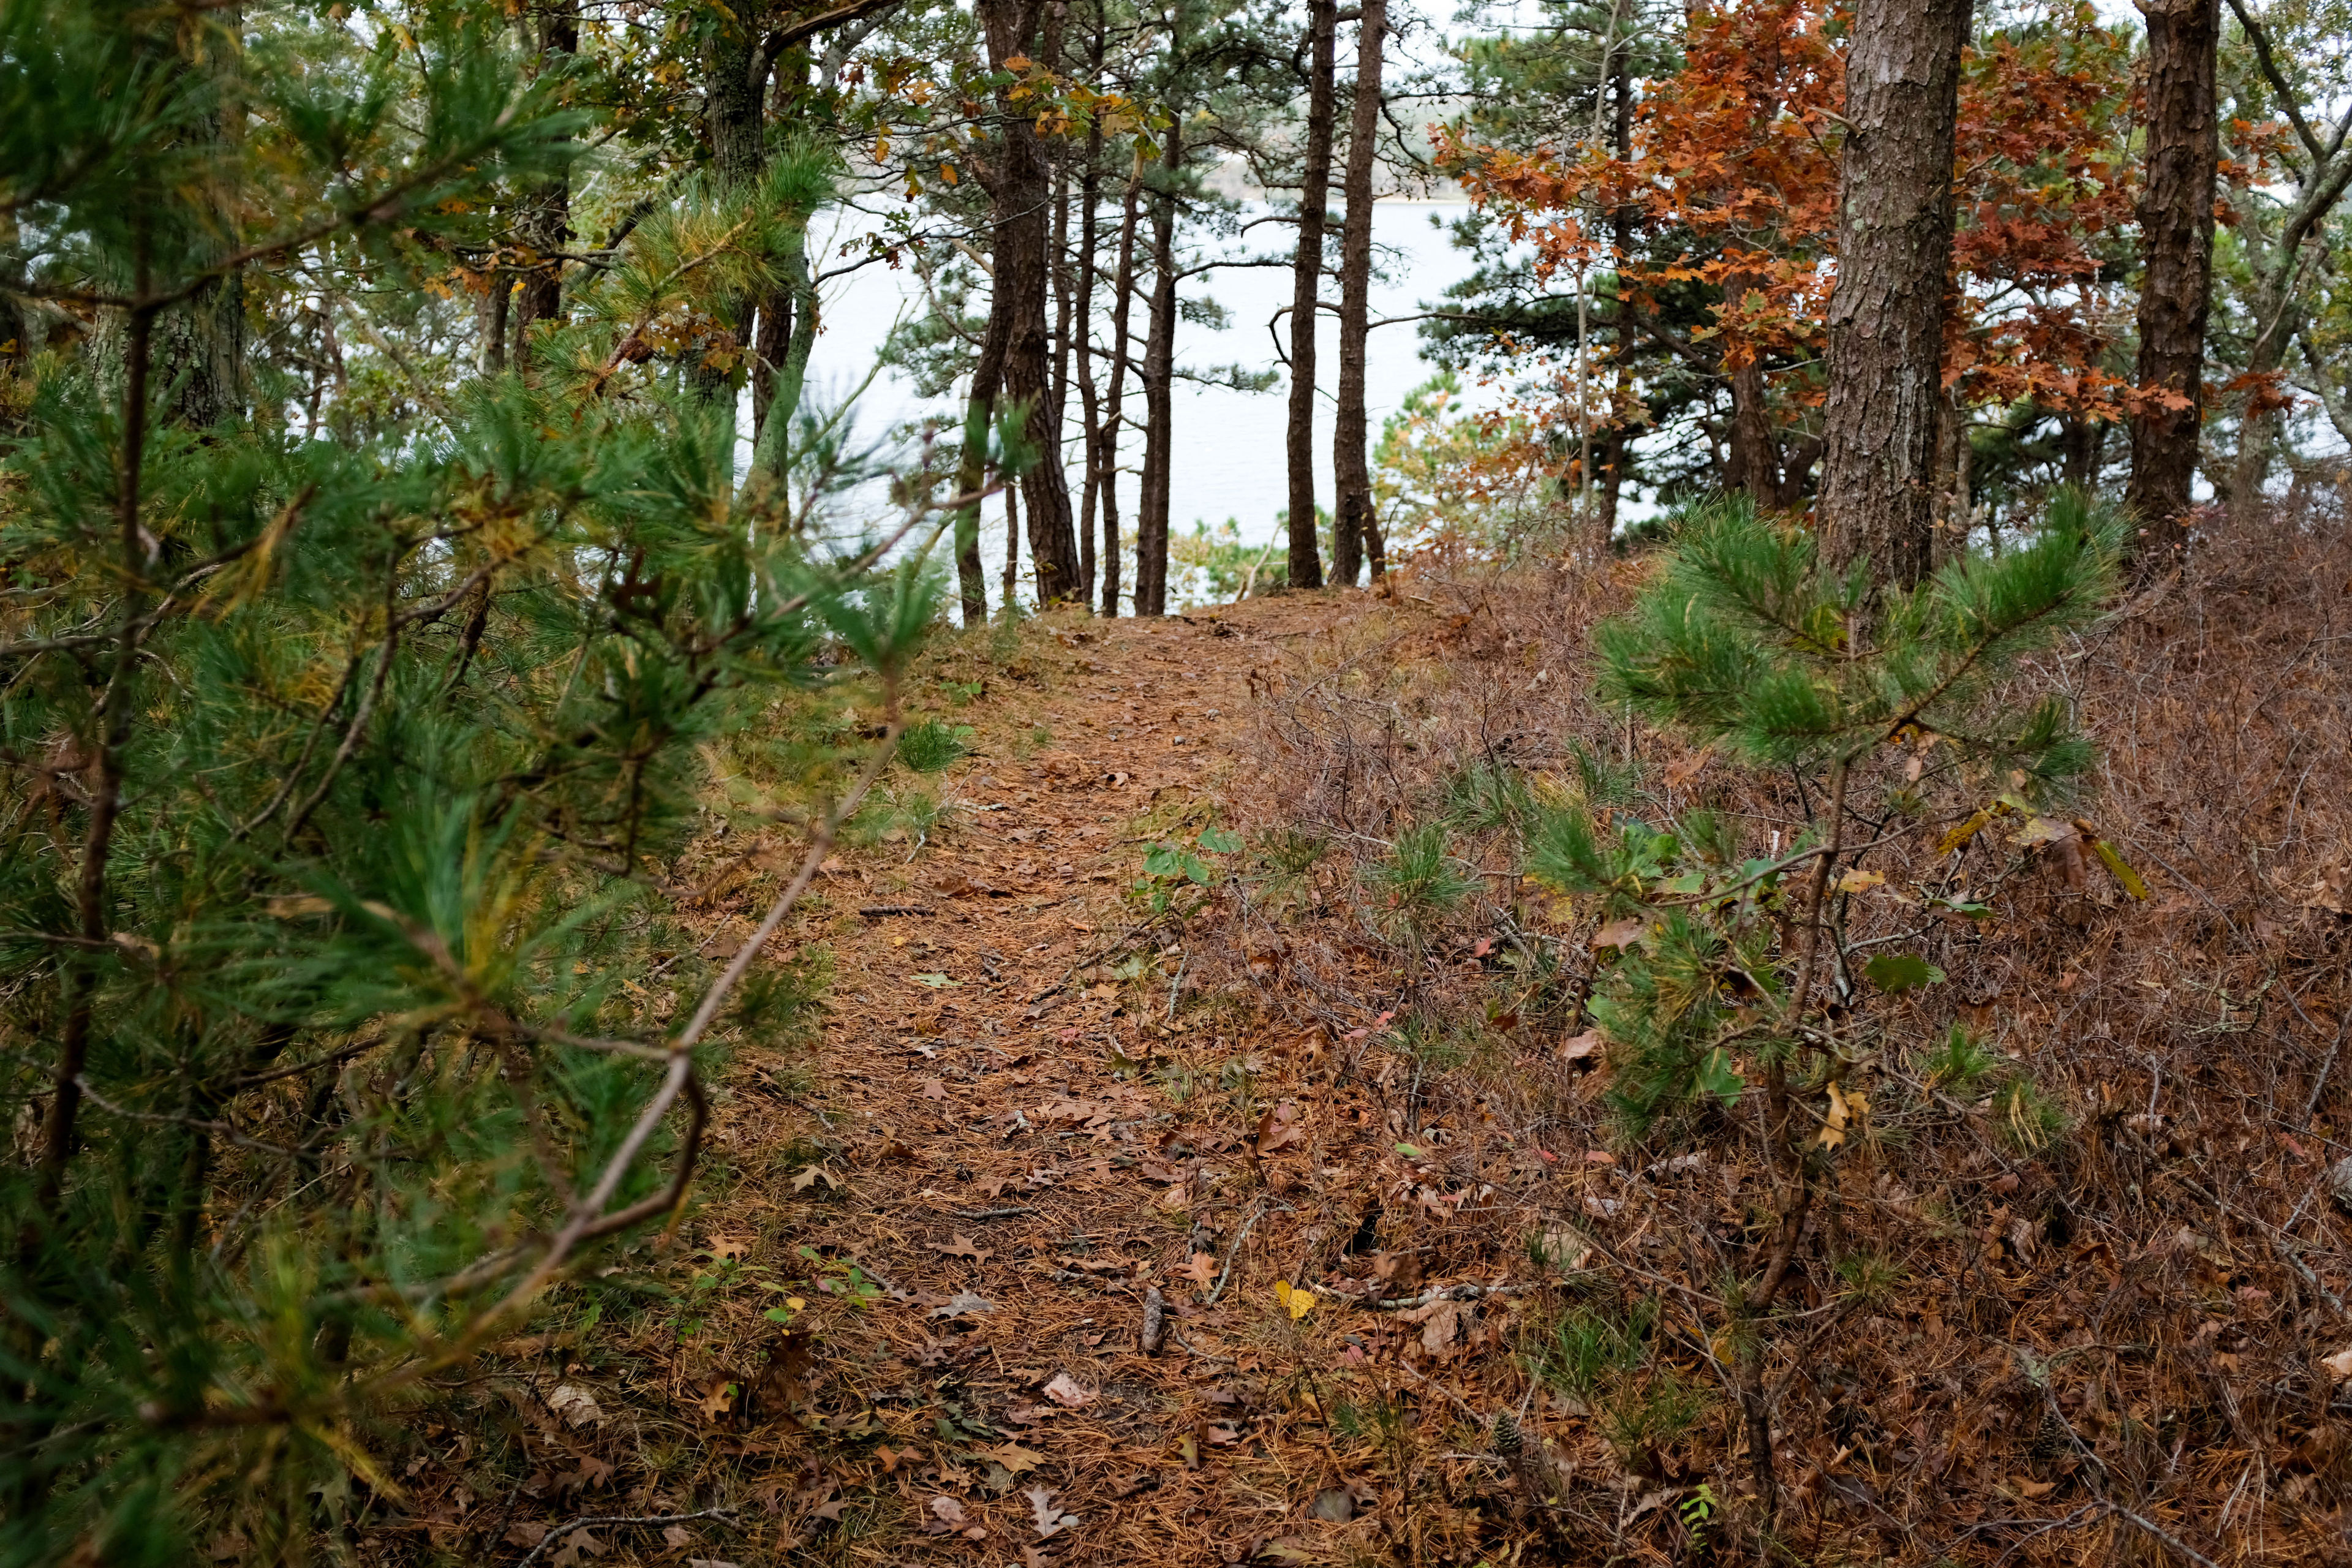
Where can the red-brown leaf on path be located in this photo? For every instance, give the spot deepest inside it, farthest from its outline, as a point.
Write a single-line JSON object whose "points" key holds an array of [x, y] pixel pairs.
{"points": [[1581, 1046], [1065, 1391], [934, 1089], [948, 1510], [959, 1246], [1203, 1268], [728, 1248], [1278, 1129]]}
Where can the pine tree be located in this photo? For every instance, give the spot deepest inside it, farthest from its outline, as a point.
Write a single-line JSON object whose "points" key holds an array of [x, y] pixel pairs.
{"points": [[345, 770], [1732, 966]]}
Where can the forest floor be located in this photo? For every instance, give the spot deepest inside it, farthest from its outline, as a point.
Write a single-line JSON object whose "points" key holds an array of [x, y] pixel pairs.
{"points": [[1131, 1005], [983, 1166]]}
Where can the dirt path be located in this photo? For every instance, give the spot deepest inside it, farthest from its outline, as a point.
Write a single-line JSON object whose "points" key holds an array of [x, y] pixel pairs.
{"points": [[980, 1146]]}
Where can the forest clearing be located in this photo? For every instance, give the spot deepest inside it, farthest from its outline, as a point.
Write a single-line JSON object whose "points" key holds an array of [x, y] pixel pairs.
{"points": [[1719, 938]]}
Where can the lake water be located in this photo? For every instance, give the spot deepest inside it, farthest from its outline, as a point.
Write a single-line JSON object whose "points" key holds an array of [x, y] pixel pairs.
{"points": [[1230, 457]]}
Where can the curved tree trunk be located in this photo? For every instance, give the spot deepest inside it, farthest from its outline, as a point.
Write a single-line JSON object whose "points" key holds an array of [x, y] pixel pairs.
{"points": [[2176, 216], [1305, 559], [1886, 315], [1353, 527]]}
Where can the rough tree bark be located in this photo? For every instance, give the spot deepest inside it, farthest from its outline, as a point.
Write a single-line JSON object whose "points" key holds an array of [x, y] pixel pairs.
{"points": [[1353, 527], [1305, 559], [734, 123], [547, 213], [1023, 265], [1754, 465], [1158, 391], [1887, 314], [2176, 216]]}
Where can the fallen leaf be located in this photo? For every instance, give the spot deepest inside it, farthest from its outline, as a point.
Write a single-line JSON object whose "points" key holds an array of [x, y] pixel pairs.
{"points": [[2032, 1489], [575, 1404], [1581, 1046], [1201, 1268], [949, 1511], [1297, 1303], [719, 1399], [2339, 1365], [674, 1536], [1620, 934], [937, 982], [1013, 1457], [813, 1176], [964, 1304], [1438, 1329], [960, 1246], [1050, 1519], [1335, 1505], [728, 1248], [1860, 882], [1063, 1391], [934, 1089]]}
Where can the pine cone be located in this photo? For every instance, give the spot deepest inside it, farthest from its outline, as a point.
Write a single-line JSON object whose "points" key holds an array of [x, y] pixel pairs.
{"points": [[2050, 1441]]}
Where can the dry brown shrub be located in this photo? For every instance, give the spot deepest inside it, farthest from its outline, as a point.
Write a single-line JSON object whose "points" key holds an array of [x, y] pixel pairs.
{"points": [[2102, 1299]]}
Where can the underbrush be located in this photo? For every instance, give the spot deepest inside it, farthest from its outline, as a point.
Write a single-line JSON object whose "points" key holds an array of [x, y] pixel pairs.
{"points": [[2073, 1284]]}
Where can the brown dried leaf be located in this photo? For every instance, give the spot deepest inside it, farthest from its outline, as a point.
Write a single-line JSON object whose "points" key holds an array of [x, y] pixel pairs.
{"points": [[960, 1246]]}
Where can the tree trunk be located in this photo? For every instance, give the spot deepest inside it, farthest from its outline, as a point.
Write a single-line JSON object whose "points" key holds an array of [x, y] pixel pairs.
{"points": [[1887, 314], [1022, 264], [972, 471], [1012, 552], [547, 213], [792, 311], [197, 347], [2176, 216], [1089, 395], [1754, 466], [770, 343], [1107, 439], [734, 122], [1159, 393], [490, 314], [1306, 561], [1353, 527]]}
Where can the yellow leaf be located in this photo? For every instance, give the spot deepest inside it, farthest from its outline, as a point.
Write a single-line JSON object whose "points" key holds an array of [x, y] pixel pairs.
{"points": [[1963, 833], [1858, 881], [1297, 1303], [2125, 875], [947, 172]]}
